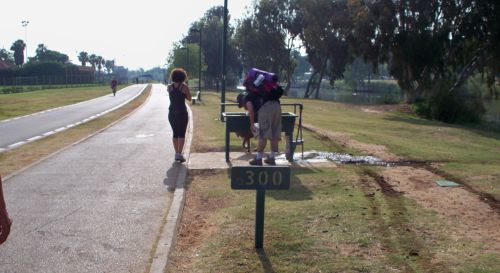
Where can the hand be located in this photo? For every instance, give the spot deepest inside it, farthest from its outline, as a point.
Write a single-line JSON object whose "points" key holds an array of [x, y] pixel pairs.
{"points": [[253, 129]]}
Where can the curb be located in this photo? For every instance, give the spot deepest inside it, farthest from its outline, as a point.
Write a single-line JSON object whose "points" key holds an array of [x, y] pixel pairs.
{"points": [[168, 235]]}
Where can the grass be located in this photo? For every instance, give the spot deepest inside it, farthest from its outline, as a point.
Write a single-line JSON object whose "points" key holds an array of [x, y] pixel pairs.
{"points": [[327, 222], [469, 154], [337, 219], [20, 104], [16, 159]]}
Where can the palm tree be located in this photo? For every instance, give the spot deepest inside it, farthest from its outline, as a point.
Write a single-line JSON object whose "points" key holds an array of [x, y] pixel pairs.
{"points": [[93, 60], [83, 57], [99, 62], [18, 48], [110, 66]]}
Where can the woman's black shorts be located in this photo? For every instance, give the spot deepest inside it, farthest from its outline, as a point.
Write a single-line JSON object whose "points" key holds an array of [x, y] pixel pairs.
{"points": [[178, 121]]}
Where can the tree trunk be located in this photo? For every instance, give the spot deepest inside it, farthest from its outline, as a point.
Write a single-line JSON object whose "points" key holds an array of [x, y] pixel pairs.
{"points": [[307, 94], [318, 86]]}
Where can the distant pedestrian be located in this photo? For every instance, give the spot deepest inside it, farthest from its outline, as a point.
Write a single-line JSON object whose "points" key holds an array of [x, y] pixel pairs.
{"points": [[178, 93], [114, 84], [5, 221]]}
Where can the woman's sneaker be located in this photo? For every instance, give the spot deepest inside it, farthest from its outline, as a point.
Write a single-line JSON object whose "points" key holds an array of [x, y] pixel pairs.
{"points": [[181, 159]]}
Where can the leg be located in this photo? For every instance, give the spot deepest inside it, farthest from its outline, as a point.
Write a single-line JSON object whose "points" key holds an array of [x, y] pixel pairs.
{"points": [[275, 145], [174, 142], [180, 144]]}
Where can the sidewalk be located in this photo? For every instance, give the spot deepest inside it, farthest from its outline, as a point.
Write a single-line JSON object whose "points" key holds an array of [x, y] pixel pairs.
{"points": [[216, 160]]}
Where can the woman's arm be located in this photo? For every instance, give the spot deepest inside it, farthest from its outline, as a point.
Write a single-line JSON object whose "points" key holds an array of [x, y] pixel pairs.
{"points": [[187, 92], [251, 116]]}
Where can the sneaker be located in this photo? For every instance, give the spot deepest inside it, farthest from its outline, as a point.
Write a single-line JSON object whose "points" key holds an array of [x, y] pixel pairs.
{"points": [[270, 161], [181, 159], [256, 162]]}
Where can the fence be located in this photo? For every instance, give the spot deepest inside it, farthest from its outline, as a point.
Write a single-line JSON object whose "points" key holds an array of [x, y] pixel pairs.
{"points": [[47, 80]]}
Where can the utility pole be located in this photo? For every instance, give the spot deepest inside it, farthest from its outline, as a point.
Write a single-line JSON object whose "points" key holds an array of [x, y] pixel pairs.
{"points": [[224, 38], [25, 23]]}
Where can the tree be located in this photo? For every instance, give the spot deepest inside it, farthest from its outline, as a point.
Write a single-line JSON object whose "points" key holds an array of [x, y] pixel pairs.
{"points": [[212, 26], [18, 48], [99, 62], [327, 47], [261, 39], [43, 54], [6, 55], [83, 57], [433, 47], [110, 66], [93, 60]]}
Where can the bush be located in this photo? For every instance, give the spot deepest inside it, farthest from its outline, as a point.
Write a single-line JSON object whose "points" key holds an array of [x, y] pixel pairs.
{"points": [[460, 106]]}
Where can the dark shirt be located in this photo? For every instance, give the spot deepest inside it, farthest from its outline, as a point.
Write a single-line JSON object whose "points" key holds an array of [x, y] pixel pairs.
{"points": [[273, 95], [177, 104], [256, 101]]}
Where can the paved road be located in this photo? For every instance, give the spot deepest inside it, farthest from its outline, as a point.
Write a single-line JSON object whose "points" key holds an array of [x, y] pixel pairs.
{"points": [[18, 131], [98, 205]]}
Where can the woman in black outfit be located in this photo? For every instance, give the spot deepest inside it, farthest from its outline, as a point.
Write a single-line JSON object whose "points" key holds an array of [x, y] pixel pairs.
{"points": [[178, 91]]}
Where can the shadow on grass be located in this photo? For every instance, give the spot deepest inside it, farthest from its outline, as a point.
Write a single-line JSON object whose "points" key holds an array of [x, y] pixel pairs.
{"points": [[494, 133], [297, 190], [264, 260]]}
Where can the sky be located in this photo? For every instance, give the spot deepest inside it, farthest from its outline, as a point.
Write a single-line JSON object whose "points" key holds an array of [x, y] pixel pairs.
{"points": [[136, 34]]}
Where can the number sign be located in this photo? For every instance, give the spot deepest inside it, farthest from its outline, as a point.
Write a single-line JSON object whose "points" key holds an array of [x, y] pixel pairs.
{"points": [[260, 178]]}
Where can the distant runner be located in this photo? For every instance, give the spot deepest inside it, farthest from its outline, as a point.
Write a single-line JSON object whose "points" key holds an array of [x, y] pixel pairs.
{"points": [[114, 83]]}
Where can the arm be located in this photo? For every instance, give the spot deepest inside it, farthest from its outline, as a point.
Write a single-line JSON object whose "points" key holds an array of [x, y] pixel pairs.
{"points": [[187, 92], [5, 222], [251, 116]]}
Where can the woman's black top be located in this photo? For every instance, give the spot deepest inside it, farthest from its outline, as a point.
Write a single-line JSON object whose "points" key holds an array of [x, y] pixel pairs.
{"points": [[177, 98]]}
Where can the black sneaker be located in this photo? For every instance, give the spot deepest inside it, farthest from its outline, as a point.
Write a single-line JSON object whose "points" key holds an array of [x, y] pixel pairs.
{"points": [[256, 162], [270, 161], [181, 159]]}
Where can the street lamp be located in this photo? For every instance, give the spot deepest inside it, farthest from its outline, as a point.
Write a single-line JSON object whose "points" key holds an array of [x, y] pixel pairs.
{"points": [[199, 67], [25, 23], [224, 38], [187, 57]]}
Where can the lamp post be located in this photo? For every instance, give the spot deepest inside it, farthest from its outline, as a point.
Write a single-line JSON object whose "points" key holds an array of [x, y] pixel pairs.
{"points": [[224, 38], [25, 23], [187, 57], [199, 60]]}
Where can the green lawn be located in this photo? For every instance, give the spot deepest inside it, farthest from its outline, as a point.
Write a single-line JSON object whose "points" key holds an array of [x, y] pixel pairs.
{"points": [[19, 104], [338, 219]]}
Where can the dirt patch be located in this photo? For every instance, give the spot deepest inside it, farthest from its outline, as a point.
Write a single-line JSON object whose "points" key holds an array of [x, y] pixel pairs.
{"points": [[466, 214], [345, 140], [196, 226], [467, 211]]}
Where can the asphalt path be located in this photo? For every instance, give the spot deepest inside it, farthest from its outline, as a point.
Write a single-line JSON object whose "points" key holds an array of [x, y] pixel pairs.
{"points": [[18, 131], [96, 206]]}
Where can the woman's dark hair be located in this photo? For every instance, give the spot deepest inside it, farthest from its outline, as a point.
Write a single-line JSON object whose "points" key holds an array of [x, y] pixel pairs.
{"points": [[178, 75]]}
